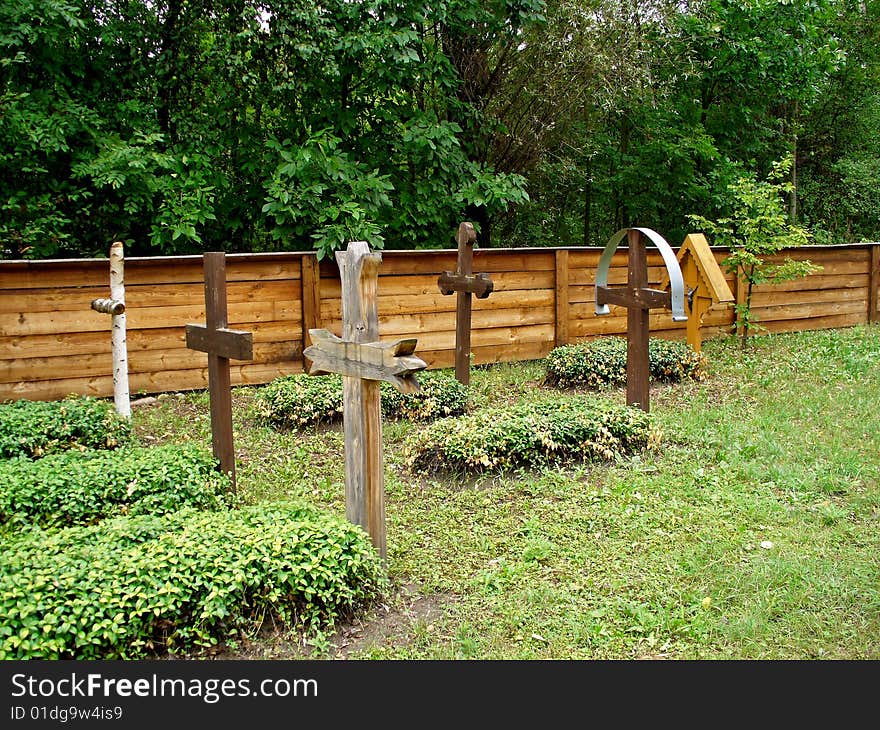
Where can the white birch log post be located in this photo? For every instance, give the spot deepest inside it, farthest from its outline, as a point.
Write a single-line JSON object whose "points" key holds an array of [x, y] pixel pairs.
{"points": [[121, 398]]}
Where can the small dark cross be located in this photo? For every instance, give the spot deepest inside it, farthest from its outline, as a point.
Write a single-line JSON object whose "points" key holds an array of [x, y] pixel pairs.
{"points": [[363, 361], [465, 283], [221, 344], [639, 300]]}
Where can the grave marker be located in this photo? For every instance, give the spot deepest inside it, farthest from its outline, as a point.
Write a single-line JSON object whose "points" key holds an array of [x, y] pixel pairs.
{"points": [[115, 306], [363, 361], [221, 344], [465, 283], [639, 299], [704, 282]]}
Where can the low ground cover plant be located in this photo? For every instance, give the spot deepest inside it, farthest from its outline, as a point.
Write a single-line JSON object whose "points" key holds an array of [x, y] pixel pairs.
{"points": [[301, 400], [139, 586], [601, 363], [37, 428], [77, 488], [530, 434], [440, 395]]}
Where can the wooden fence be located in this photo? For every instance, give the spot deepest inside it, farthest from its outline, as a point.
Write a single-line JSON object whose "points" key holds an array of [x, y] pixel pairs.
{"points": [[52, 343]]}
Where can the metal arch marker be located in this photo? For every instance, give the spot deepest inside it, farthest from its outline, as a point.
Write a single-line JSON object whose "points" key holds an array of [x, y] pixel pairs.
{"points": [[639, 300], [676, 281]]}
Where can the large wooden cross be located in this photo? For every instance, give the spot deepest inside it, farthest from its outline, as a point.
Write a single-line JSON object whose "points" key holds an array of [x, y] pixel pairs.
{"points": [[639, 300], [221, 344], [363, 361], [465, 283]]}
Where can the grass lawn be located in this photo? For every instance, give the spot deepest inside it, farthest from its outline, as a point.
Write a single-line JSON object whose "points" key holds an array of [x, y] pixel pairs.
{"points": [[754, 533]]}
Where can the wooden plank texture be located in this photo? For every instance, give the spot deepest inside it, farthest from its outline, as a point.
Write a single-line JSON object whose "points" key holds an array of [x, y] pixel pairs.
{"points": [[52, 343], [874, 285], [561, 286]]}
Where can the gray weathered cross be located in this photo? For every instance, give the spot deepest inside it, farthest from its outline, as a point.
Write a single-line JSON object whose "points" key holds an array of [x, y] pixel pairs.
{"points": [[465, 283], [363, 361], [221, 344]]}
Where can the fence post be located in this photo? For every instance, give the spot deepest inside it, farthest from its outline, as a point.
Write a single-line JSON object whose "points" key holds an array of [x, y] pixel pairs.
{"points": [[561, 323], [874, 286], [310, 279]]}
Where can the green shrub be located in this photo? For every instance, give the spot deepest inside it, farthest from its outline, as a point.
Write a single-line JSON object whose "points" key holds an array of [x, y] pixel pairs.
{"points": [[139, 586], [601, 363], [672, 361], [302, 400], [440, 395], [533, 434], [76, 488], [36, 428]]}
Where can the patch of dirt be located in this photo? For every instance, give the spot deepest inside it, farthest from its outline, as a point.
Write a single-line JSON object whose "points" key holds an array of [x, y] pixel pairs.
{"points": [[392, 623]]}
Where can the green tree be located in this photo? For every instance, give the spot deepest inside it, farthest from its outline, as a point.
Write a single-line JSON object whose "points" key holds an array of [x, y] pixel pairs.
{"points": [[177, 126], [840, 160], [680, 97], [756, 228]]}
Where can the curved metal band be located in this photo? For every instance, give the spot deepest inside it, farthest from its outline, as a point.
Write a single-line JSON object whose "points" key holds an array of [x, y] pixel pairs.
{"points": [[676, 280]]}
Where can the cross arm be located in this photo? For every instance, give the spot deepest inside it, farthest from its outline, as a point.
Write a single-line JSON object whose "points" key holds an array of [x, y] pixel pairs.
{"points": [[639, 298], [232, 344], [479, 285], [392, 362]]}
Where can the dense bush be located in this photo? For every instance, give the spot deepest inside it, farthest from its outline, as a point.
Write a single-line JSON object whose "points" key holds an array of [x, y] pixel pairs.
{"points": [[533, 434], [302, 400], [36, 428], [440, 395], [76, 488], [136, 586], [601, 363]]}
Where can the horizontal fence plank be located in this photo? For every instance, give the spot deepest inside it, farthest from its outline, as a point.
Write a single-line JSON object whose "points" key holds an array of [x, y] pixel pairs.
{"points": [[487, 355], [428, 303], [402, 325], [821, 281], [84, 343], [497, 336], [141, 271], [40, 323], [814, 323], [405, 286], [21, 301], [768, 297], [139, 361], [810, 309], [164, 381]]}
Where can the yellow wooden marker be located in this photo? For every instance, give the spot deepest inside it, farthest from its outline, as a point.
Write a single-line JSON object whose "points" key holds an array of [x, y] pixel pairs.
{"points": [[704, 282]]}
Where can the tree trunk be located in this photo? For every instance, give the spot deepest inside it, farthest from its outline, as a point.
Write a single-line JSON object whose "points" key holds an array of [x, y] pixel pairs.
{"points": [[167, 73], [588, 200], [621, 211], [793, 198], [748, 309], [478, 215]]}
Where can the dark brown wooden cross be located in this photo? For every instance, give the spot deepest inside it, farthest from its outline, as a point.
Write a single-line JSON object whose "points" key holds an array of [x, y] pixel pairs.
{"points": [[363, 361], [639, 300], [465, 283], [221, 344]]}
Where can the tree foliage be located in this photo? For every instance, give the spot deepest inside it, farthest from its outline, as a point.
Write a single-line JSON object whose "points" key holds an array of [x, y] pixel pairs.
{"points": [[756, 228], [175, 125], [182, 125]]}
